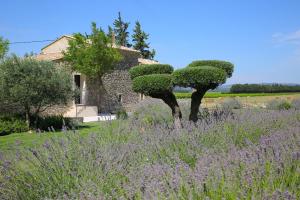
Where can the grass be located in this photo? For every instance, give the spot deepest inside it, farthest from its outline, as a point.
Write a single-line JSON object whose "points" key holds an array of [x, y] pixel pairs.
{"points": [[33, 139], [185, 95]]}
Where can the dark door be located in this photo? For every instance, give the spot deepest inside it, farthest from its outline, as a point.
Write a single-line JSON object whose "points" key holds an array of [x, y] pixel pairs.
{"points": [[77, 84]]}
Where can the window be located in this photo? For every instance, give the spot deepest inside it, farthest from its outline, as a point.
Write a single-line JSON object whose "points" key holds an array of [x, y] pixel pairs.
{"points": [[119, 98]]}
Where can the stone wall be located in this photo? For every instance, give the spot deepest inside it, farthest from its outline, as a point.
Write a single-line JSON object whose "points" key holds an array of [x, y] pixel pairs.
{"points": [[116, 90]]}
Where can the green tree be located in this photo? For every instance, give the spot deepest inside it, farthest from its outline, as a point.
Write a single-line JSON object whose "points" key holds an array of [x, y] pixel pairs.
{"points": [[121, 31], [93, 54], [33, 86], [4, 47], [139, 39], [202, 75], [155, 80], [111, 33]]}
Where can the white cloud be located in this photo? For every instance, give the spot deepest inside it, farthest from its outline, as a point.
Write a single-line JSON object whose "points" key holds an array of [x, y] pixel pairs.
{"points": [[287, 38]]}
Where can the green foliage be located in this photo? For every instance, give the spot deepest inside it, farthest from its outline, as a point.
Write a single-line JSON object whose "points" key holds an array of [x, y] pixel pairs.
{"points": [[120, 29], [53, 122], [33, 85], [110, 33], [92, 54], [4, 46], [153, 84], [226, 66], [140, 42], [198, 77], [187, 95], [142, 70], [122, 114], [279, 104], [12, 125], [260, 88]]}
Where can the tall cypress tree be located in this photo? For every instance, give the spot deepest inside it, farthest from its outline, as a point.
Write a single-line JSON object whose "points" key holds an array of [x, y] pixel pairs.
{"points": [[110, 32], [120, 29], [139, 39]]}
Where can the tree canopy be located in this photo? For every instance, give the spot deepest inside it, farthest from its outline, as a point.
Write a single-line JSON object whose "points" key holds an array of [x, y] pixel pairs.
{"points": [[158, 81], [33, 85], [121, 31], [4, 47], [202, 75], [140, 43], [155, 80], [92, 54]]}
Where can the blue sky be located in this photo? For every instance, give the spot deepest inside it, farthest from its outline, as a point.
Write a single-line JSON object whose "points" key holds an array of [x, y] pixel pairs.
{"points": [[262, 38]]}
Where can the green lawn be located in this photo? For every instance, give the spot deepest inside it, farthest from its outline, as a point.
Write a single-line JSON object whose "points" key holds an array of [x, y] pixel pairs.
{"points": [[32, 139], [183, 95]]}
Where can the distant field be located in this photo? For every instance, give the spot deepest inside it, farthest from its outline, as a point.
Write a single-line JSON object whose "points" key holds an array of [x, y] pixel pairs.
{"points": [[184, 95]]}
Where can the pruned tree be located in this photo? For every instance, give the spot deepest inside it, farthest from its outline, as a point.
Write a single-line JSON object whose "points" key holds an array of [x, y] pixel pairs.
{"points": [[4, 47], [155, 80], [202, 76], [140, 43], [33, 86], [121, 31]]}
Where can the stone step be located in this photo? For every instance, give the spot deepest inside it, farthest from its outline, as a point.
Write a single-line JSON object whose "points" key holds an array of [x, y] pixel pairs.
{"points": [[99, 118]]}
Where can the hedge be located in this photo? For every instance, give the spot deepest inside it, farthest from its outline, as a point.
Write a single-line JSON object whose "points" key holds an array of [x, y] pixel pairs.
{"points": [[141, 70], [199, 76], [56, 122], [152, 84], [227, 66], [12, 125], [256, 88]]}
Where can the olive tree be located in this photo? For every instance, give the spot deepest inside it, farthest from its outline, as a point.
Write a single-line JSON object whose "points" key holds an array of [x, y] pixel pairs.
{"points": [[155, 80], [33, 86], [202, 76]]}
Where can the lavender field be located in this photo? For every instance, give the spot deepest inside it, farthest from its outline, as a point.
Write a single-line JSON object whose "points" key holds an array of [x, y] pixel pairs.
{"points": [[231, 154]]}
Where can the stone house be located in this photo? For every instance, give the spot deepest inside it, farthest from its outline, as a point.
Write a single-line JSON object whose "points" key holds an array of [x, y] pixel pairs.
{"points": [[116, 92]]}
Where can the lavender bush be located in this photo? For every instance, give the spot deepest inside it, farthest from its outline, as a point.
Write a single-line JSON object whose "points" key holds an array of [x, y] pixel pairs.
{"points": [[231, 103], [248, 154], [279, 104], [296, 104]]}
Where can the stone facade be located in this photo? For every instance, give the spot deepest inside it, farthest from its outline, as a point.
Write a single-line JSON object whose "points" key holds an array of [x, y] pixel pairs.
{"points": [[116, 91], [110, 94]]}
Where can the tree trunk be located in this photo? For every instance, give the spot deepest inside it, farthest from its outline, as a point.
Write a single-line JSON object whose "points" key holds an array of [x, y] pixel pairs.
{"points": [[195, 104], [171, 101]]}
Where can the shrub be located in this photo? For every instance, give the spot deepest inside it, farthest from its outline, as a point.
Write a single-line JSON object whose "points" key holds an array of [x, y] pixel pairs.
{"points": [[142, 70], [226, 66], [296, 104], [152, 84], [198, 76], [122, 114], [57, 122], [231, 103], [12, 125], [278, 105]]}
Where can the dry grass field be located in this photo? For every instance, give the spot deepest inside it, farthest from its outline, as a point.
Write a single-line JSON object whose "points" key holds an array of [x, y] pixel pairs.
{"points": [[250, 101]]}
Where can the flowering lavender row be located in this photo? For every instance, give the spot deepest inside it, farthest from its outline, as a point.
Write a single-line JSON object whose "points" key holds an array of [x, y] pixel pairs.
{"points": [[245, 154]]}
